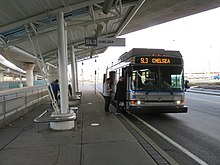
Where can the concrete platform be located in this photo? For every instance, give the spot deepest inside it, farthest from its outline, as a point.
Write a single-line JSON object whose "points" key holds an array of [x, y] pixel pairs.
{"points": [[99, 139]]}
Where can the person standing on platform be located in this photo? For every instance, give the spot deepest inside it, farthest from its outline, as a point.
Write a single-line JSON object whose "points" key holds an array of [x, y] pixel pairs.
{"points": [[55, 88], [70, 90], [120, 95], [107, 94]]}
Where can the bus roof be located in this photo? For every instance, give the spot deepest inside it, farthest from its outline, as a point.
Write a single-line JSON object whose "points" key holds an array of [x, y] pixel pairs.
{"points": [[144, 51]]}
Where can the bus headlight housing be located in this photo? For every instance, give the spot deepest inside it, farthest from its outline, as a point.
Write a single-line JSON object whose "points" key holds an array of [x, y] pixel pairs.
{"points": [[135, 102], [178, 102], [138, 102]]}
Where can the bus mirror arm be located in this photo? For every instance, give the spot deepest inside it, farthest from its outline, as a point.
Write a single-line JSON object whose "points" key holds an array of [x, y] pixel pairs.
{"points": [[186, 84]]}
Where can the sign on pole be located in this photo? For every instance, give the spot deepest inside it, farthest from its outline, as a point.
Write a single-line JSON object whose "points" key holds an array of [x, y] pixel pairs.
{"points": [[104, 41], [90, 41], [111, 42]]}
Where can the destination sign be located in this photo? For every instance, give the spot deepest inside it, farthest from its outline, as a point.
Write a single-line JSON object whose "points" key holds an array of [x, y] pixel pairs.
{"points": [[111, 42], [157, 60], [90, 41]]}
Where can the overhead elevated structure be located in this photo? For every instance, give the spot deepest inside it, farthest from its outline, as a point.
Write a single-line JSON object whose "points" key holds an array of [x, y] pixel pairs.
{"points": [[6, 70]]}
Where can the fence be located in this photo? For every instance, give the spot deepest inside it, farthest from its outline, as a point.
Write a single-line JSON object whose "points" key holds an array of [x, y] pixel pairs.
{"points": [[16, 102], [5, 85]]}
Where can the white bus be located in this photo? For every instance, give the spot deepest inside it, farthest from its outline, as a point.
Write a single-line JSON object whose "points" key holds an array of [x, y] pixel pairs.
{"points": [[154, 80]]}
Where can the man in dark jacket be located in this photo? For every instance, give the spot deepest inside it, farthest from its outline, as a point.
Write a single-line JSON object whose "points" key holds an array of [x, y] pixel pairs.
{"points": [[55, 88], [120, 94]]}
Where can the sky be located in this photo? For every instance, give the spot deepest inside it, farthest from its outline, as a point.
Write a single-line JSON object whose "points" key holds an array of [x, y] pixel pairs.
{"points": [[197, 37]]}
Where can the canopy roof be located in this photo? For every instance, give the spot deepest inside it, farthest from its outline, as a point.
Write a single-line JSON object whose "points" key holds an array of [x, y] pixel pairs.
{"points": [[28, 28]]}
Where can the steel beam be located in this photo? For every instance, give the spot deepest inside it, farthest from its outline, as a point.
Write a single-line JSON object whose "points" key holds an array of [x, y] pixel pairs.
{"points": [[52, 12]]}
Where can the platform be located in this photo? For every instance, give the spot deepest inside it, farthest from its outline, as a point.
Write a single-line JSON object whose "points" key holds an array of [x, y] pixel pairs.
{"points": [[98, 139]]}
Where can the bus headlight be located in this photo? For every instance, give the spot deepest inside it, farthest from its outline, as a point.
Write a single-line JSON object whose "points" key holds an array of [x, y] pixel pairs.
{"points": [[178, 102]]}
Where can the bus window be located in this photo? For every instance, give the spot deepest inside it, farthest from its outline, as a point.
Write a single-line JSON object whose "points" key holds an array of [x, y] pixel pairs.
{"points": [[150, 81], [144, 78], [137, 80], [165, 78], [172, 78], [176, 81]]}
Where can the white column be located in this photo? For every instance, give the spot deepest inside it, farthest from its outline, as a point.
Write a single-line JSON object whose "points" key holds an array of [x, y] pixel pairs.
{"points": [[1, 76], [62, 60], [63, 81], [73, 71], [77, 85], [29, 73]]}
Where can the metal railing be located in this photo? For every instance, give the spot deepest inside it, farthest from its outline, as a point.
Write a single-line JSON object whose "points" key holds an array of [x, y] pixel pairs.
{"points": [[16, 102]]}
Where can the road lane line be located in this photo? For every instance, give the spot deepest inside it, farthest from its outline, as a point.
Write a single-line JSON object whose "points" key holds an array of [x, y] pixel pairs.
{"points": [[197, 159], [203, 100]]}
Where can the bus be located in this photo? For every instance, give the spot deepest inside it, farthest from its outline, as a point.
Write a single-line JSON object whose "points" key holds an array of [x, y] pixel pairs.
{"points": [[154, 80]]}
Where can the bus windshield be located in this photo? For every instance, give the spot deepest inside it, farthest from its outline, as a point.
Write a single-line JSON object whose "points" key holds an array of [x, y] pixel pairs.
{"points": [[157, 78]]}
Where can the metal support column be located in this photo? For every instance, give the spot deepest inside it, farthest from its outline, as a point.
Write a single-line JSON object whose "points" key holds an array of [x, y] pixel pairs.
{"points": [[62, 60], [63, 81], [77, 85], [1, 76], [74, 73]]}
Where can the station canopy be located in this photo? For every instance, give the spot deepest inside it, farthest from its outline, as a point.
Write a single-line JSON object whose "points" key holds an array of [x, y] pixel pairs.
{"points": [[28, 28]]}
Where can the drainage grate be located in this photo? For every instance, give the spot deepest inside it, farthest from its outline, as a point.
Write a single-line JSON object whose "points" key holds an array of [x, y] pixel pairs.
{"points": [[156, 156]]}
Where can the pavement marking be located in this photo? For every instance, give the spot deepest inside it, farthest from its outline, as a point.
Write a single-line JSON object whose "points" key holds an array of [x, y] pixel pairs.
{"points": [[197, 159], [203, 100], [95, 124]]}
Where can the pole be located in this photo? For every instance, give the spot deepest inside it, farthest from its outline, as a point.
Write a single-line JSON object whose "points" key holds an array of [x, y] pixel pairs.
{"points": [[73, 71], [95, 81], [62, 61], [76, 68]]}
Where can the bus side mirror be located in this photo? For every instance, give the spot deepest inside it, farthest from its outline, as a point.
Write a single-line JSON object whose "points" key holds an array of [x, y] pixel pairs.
{"points": [[186, 84], [129, 71]]}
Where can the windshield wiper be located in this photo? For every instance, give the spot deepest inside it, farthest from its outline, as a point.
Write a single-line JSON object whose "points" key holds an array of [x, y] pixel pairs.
{"points": [[148, 91], [171, 91], [167, 86]]}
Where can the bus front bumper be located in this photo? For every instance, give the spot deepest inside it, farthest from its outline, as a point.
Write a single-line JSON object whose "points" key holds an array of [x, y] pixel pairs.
{"points": [[158, 109]]}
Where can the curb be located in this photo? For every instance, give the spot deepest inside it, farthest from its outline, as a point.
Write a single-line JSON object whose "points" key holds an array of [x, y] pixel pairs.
{"points": [[204, 91]]}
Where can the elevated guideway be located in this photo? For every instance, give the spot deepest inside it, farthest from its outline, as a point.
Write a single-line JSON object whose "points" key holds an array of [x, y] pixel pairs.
{"points": [[7, 70]]}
